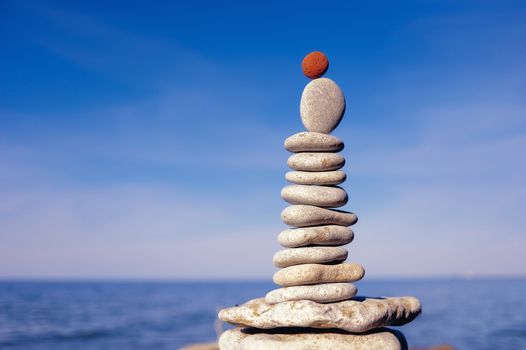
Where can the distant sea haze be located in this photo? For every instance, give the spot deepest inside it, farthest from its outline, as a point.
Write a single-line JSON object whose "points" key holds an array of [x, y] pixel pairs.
{"points": [[466, 314]]}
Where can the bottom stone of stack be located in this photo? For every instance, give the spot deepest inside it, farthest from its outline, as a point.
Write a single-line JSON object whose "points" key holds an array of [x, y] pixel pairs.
{"points": [[310, 339]]}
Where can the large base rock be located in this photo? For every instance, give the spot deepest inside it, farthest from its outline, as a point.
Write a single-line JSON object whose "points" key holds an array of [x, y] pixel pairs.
{"points": [[357, 315], [309, 339]]}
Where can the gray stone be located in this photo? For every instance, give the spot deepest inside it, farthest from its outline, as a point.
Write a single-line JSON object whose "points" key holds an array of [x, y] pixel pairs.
{"points": [[320, 293], [256, 339], [299, 275], [330, 235], [322, 105], [308, 215], [310, 255], [316, 161], [313, 142], [316, 178], [359, 315], [320, 196]]}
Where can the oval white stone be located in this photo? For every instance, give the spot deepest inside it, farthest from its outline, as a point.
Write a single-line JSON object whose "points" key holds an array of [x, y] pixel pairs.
{"points": [[316, 161], [320, 293], [320, 196], [316, 177], [256, 339], [322, 105], [313, 142], [308, 215], [330, 235], [310, 255]]}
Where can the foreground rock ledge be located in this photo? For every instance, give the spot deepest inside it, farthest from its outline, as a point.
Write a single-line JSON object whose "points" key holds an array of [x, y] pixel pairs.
{"points": [[358, 315], [251, 339]]}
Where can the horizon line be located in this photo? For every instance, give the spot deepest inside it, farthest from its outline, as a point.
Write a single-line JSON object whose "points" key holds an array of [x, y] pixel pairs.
{"points": [[169, 279]]}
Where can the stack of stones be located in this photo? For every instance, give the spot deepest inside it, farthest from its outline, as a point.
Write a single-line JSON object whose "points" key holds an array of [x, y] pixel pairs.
{"points": [[316, 306]]}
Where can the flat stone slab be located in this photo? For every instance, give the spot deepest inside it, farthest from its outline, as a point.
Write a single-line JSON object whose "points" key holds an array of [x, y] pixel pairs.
{"points": [[299, 275], [329, 235], [309, 255], [307, 339], [356, 316], [335, 177], [300, 215], [313, 142], [320, 196], [315, 161], [320, 293]]}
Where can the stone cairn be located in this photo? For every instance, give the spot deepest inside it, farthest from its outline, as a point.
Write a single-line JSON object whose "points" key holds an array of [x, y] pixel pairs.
{"points": [[316, 306]]}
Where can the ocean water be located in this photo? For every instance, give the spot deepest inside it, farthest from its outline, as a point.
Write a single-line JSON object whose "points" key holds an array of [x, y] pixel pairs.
{"points": [[467, 314]]}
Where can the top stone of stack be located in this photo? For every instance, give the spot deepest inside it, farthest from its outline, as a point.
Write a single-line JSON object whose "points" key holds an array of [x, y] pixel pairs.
{"points": [[315, 64], [322, 102]]}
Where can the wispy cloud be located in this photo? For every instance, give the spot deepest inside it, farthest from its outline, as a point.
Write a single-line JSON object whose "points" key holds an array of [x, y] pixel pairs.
{"points": [[455, 193], [95, 44], [134, 231]]}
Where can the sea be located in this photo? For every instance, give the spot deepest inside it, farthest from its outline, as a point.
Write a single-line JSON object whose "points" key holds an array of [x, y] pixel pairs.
{"points": [[462, 313]]}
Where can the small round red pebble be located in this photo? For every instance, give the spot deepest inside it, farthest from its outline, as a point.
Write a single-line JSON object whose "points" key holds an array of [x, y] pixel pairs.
{"points": [[315, 64]]}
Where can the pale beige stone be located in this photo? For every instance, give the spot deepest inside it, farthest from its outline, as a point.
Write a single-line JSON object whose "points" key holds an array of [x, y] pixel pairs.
{"points": [[329, 235], [322, 105], [254, 339], [320, 196], [309, 255], [231, 339], [202, 346], [313, 142], [299, 275], [320, 293], [308, 215], [315, 161], [349, 315], [335, 177]]}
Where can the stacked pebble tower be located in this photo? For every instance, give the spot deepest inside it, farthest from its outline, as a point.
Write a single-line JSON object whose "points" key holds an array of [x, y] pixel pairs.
{"points": [[316, 306]]}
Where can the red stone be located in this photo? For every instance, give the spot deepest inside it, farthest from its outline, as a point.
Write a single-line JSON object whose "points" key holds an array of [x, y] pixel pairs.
{"points": [[315, 64]]}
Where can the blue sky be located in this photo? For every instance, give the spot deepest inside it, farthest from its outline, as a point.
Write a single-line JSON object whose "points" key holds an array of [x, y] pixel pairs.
{"points": [[144, 139]]}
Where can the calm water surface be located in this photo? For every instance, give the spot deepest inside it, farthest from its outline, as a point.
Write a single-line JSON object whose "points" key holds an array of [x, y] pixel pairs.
{"points": [[468, 314]]}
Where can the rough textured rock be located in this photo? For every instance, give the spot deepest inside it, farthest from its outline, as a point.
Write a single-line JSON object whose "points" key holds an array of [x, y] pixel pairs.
{"points": [[350, 315], [310, 255], [316, 178], [299, 275], [251, 339], [316, 161], [308, 215], [232, 338], [318, 235], [315, 64], [320, 293], [322, 105], [313, 142], [320, 196]]}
